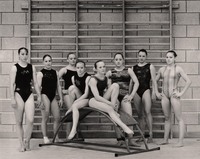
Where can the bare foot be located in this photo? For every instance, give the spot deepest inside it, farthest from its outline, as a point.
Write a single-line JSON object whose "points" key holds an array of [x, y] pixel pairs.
{"points": [[27, 145], [21, 149], [179, 144], [133, 143], [71, 135], [163, 143], [129, 131], [150, 140], [120, 143]]}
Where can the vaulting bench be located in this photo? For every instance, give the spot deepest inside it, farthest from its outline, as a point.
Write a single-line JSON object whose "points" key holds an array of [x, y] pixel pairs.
{"points": [[119, 150]]}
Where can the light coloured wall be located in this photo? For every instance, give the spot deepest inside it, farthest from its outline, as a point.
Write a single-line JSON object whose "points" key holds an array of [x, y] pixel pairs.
{"points": [[186, 33]]}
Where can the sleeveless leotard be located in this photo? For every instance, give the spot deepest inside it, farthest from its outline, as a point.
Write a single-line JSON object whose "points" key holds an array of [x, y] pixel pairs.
{"points": [[67, 77], [49, 83], [101, 86], [123, 79], [143, 74], [23, 81], [80, 82], [169, 81]]}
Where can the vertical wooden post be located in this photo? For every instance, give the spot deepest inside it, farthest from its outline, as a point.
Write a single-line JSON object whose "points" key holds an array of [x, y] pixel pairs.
{"points": [[29, 27], [77, 27]]}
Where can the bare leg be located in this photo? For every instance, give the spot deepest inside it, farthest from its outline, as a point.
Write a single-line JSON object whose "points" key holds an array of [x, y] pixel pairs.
{"points": [[45, 114], [146, 100], [178, 114], [140, 111], [29, 111], [75, 109], [56, 114], [127, 107], [112, 93], [167, 113], [67, 104], [19, 111], [74, 94], [108, 109]]}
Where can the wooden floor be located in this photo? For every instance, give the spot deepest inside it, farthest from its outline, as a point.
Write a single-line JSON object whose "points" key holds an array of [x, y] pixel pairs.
{"points": [[8, 150]]}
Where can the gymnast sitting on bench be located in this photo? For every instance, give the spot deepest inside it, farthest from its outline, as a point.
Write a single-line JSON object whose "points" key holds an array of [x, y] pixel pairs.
{"points": [[78, 93], [99, 98]]}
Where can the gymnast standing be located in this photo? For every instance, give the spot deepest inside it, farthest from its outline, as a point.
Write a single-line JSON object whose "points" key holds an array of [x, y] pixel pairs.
{"points": [[66, 74], [105, 100], [22, 76], [49, 83], [170, 96], [78, 93], [122, 75], [142, 100]]}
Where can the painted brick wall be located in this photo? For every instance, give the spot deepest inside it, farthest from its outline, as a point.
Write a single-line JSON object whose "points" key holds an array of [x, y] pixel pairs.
{"points": [[186, 33]]}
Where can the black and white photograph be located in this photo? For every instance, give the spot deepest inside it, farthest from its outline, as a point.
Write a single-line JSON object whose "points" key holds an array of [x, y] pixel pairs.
{"points": [[99, 79]]}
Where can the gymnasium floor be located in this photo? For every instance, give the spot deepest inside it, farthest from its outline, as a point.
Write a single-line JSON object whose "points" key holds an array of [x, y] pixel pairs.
{"points": [[8, 150]]}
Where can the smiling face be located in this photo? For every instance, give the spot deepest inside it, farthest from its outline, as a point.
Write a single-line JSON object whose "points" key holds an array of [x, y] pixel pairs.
{"points": [[118, 60], [23, 55], [80, 68], [72, 59], [47, 62], [170, 59], [142, 56], [100, 67]]}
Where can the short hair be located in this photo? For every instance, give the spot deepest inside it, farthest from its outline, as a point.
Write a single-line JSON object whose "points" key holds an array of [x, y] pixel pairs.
{"points": [[95, 64], [143, 50], [70, 53], [22, 48], [47, 55], [173, 52], [80, 61], [119, 53]]}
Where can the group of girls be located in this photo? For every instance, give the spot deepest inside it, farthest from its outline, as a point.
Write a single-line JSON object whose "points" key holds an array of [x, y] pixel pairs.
{"points": [[107, 91]]}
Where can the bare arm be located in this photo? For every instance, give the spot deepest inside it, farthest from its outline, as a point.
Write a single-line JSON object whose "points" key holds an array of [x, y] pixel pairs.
{"points": [[186, 79], [12, 85], [93, 86], [59, 90], [86, 92], [60, 74], [158, 76], [108, 74], [135, 81], [39, 79], [153, 78], [36, 86]]}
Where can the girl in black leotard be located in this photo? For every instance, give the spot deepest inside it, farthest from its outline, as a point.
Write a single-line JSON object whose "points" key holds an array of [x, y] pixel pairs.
{"points": [[142, 100], [66, 74], [22, 76], [78, 93], [49, 82], [105, 100], [170, 96]]}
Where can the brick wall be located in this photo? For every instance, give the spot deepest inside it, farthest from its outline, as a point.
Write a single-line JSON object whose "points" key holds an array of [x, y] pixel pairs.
{"points": [[186, 33]]}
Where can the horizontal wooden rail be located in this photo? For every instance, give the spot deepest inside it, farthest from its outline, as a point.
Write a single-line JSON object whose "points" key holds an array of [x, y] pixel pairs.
{"points": [[53, 30], [52, 44], [53, 22], [54, 36], [52, 51]]}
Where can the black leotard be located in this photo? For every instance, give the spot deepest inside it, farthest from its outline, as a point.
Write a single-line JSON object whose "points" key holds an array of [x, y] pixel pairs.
{"points": [[67, 77], [123, 79], [143, 74], [49, 83], [80, 82], [23, 81], [101, 86]]}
